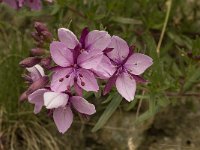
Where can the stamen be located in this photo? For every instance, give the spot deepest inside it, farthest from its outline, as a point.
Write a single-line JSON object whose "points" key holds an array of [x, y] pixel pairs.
{"points": [[67, 76], [80, 75], [83, 83], [61, 80]]}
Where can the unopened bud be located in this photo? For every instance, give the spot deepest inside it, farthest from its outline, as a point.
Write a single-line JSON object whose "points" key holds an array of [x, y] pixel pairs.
{"points": [[23, 96], [37, 51], [46, 62], [39, 26], [40, 83], [35, 36], [29, 62], [47, 36]]}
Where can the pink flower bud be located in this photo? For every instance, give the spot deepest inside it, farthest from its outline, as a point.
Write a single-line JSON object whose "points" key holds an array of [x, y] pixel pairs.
{"points": [[47, 36], [37, 51], [29, 62], [23, 96], [36, 36], [46, 62], [40, 83], [39, 26]]}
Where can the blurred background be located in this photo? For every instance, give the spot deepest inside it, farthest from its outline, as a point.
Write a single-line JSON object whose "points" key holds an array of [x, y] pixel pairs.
{"points": [[165, 114]]}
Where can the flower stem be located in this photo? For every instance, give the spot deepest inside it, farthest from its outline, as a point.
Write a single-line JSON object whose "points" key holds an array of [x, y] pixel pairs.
{"points": [[169, 4]]}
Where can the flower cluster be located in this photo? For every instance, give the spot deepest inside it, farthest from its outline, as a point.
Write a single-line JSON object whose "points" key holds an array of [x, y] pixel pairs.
{"points": [[17, 4], [77, 64]]}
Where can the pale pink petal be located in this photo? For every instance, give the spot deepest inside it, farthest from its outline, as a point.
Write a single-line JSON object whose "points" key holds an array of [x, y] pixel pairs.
{"points": [[63, 118], [97, 40], [137, 63], [126, 86], [11, 3], [87, 81], [37, 98], [82, 105], [61, 55], [55, 100], [62, 80], [90, 59], [36, 72], [34, 4], [67, 37], [105, 69], [120, 49]]}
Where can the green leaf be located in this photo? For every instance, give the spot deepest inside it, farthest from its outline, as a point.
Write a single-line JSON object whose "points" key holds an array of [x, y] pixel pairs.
{"points": [[110, 109], [126, 20], [192, 80]]}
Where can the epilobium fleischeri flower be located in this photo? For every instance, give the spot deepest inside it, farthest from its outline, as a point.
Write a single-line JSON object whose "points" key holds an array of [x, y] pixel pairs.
{"points": [[78, 64], [128, 66], [76, 59]]}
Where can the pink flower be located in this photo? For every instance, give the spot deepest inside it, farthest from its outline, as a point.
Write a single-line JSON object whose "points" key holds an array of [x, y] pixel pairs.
{"points": [[61, 104], [128, 66], [76, 59], [16, 4]]}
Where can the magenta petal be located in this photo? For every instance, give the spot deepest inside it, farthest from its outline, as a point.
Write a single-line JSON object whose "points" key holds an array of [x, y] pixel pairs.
{"points": [[126, 86], [97, 40], [63, 118], [82, 105], [61, 55], [87, 81], [66, 36], [34, 4], [36, 72], [55, 100], [89, 60], [11, 3], [120, 49], [105, 69], [37, 99], [62, 80], [137, 63]]}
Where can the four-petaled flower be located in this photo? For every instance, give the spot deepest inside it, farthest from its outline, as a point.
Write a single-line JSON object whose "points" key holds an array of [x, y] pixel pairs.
{"points": [[60, 104], [128, 66], [76, 59]]}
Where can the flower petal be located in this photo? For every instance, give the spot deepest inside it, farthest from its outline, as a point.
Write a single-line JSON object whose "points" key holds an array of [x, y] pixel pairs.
{"points": [[11, 3], [120, 49], [63, 118], [62, 80], [61, 55], [126, 86], [68, 37], [105, 69], [82, 105], [36, 72], [90, 59], [37, 98], [86, 80], [137, 63], [34, 4], [55, 100], [97, 40]]}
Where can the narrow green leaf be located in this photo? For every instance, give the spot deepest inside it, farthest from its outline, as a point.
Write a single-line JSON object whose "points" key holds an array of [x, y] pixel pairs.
{"points": [[126, 20], [110, 109], [192, 80]]}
